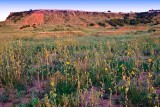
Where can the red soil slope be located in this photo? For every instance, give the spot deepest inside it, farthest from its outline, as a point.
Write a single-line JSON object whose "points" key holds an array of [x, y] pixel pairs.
{"points": [[35, 18], [61, 17]]}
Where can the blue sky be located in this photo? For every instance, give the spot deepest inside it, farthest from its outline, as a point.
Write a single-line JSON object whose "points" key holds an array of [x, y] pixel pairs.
{"points": [[7, 6]]}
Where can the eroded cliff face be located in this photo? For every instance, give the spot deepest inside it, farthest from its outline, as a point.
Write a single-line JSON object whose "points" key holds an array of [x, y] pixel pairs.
{"points": [[79, 18], [36, 18], [26, 17], [58, 17]]}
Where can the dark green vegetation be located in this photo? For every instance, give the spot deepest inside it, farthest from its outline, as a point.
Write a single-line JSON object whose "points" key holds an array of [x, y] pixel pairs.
{"points": [[119, 70], [140, 18]]}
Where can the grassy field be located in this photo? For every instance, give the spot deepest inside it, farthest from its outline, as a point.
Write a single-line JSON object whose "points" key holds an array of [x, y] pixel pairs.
{"points": [[86, 71]]}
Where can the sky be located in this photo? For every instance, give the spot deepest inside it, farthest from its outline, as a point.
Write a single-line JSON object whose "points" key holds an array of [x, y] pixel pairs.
{"points": [[7, 6]]}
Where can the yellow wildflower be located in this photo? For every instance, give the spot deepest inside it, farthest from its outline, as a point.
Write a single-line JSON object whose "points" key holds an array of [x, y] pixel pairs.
{"points": [[52, 83], [149, 75], [85, 57], [149, 60], [132, 73], [47, 54], [127, 88], [129, 53], [153, 90], [67, 63], [106, 69]]}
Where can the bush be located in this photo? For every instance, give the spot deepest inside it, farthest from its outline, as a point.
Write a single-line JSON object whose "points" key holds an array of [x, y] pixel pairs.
{"points": [[91, 24], [112, 23], [25, 26], [133, 22], [116, 22], [141, 18], [126, 19], [145, 17], [101, 24]]}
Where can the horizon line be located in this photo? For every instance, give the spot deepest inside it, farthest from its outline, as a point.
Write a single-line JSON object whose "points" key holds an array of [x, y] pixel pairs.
{"points": [[80, 10], [84, 10]]}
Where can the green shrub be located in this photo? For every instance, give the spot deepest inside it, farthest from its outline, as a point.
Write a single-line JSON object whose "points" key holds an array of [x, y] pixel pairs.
{"points": [[91, 24], [101, 24], [25, 26], [116, 22], [133, 22]]}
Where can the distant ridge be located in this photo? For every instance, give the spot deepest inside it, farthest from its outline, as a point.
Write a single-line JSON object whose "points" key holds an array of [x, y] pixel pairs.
{"points": [[72, 17]]}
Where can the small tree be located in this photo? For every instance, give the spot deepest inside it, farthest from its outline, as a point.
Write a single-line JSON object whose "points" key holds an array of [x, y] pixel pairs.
{"points": [[126, 19], [101, 24], [30, 10], [133, 22]]}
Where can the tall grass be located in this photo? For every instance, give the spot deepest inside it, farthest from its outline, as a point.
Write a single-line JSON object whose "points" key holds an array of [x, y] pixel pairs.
{"points": [[81, 71]]}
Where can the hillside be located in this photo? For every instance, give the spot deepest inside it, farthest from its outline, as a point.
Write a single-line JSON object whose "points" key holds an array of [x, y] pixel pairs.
{"points": [[58, 17], [81, 18], [71, 22]]}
